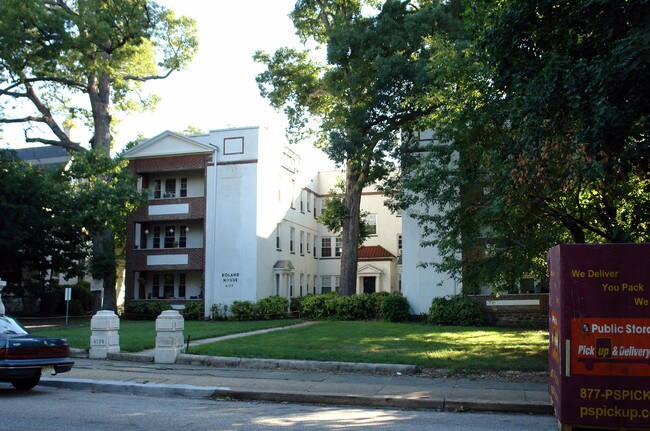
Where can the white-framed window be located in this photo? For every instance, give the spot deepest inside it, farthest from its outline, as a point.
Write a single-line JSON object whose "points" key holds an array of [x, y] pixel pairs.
{"points": [[183, 190], [278, 243], [308, 200], [156, 237], [302, 242], [182, 236], [371, 223], [170, 188], [308, 246], [315, 242], [339, 246], [155, 286], [337, 283], [326, 247], [399, 244], [302, 201], [292, 239], [170, 237], [326, 284], [157, 189], [181, 285], [302, 282]]}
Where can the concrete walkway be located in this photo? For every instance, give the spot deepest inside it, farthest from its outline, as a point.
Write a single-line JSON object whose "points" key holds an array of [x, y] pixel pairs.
{"points": [[338, 383]]}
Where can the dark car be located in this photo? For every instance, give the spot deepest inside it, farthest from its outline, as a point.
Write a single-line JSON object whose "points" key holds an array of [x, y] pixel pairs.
{"points": [[23, 356]]}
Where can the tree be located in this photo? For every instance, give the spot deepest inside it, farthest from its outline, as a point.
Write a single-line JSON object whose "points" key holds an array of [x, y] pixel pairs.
{"points": [[40, 227], [65, 60], [545, 129], [355, 105]]}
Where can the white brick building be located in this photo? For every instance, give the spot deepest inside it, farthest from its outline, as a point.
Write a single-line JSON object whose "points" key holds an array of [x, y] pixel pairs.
{"points": [[232, 216]]}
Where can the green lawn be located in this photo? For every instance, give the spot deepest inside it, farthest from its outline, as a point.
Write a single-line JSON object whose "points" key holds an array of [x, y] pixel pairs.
{"points": [[446, 347], [454, 348], [137, 335]]}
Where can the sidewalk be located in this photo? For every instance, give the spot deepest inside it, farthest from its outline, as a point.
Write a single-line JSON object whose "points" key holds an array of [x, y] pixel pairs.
{"points": [[314, 382], [373, 385]]}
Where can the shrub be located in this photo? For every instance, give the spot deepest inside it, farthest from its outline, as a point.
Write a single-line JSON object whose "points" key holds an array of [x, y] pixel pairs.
{"points": [[219, 312], [272, 307], [455, 310], [394, 307], [296, 303], [357, 307], [244, 310], [193, 310], [145, 310], [316, 306]]}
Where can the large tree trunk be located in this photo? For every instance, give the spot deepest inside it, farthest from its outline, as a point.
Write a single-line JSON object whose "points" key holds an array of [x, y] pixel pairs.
{"points": [[350, 231], [99, 91]]}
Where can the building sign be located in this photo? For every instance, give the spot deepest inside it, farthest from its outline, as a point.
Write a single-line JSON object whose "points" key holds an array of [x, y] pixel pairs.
{"points": [[599, 329], [230, 279]]}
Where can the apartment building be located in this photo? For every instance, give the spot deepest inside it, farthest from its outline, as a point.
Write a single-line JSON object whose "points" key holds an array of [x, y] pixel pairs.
{"points": [[232, 215]]}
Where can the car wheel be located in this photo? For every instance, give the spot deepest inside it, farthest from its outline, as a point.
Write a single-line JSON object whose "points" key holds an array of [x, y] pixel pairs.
{"points": [[26, 383]]}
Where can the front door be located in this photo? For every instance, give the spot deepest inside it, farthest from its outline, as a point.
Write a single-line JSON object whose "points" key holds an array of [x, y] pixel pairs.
{"points": [[369, 284]]}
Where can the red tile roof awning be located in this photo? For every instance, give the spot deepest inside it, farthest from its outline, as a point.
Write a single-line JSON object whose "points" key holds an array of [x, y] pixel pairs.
{"points": [[374, 252]]}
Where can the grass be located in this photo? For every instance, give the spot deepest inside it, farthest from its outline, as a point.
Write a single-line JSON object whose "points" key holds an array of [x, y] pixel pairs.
{"points": [[449, 347], [138, 335], [453, 348]]}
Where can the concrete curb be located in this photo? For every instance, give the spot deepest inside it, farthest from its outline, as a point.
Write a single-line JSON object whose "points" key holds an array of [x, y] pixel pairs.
{"points": [[190, 391], [272, 364], [286, 364]]}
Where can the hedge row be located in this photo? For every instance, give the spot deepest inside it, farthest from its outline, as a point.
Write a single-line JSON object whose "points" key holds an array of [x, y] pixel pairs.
{"points": [[150, 310], [391, 307]]}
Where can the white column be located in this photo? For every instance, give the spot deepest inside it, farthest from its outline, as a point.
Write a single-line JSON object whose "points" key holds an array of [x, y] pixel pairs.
{"points": [[169, 336], [104, 336]]}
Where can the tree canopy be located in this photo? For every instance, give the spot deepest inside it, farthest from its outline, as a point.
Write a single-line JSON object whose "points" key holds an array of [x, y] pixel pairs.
{"points": [[67, 61], [543, 137], [356, 103]]}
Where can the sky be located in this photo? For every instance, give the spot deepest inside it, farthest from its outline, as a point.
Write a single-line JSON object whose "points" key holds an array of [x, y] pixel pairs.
{"points": [[218, 89]]}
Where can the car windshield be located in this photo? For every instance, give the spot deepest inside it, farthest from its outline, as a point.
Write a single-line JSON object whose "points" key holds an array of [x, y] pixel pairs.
{"points": [[10, 326]]}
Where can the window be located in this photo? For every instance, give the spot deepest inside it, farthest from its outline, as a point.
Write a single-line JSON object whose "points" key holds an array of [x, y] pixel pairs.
{"points": [[308, 202], [181, 285], [182, 236], [183, 187], [325, 284], [315, 242], [156, 189], [371, 224], [308, 242], [291, 277], [302, 242], [302, 201], [170, 188], [292, 238], [339, 246], [155, 286], [169, 237], [337, 283], [156, 237], [169, 285], [293, 197], [315, 216], [399, 244], [326, 247], [278, 245], [302, 282]]}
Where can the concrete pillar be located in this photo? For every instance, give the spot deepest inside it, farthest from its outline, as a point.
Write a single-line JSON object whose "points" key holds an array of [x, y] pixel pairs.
{"points": [[2, 286], [104, 337], [169, 336]]}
